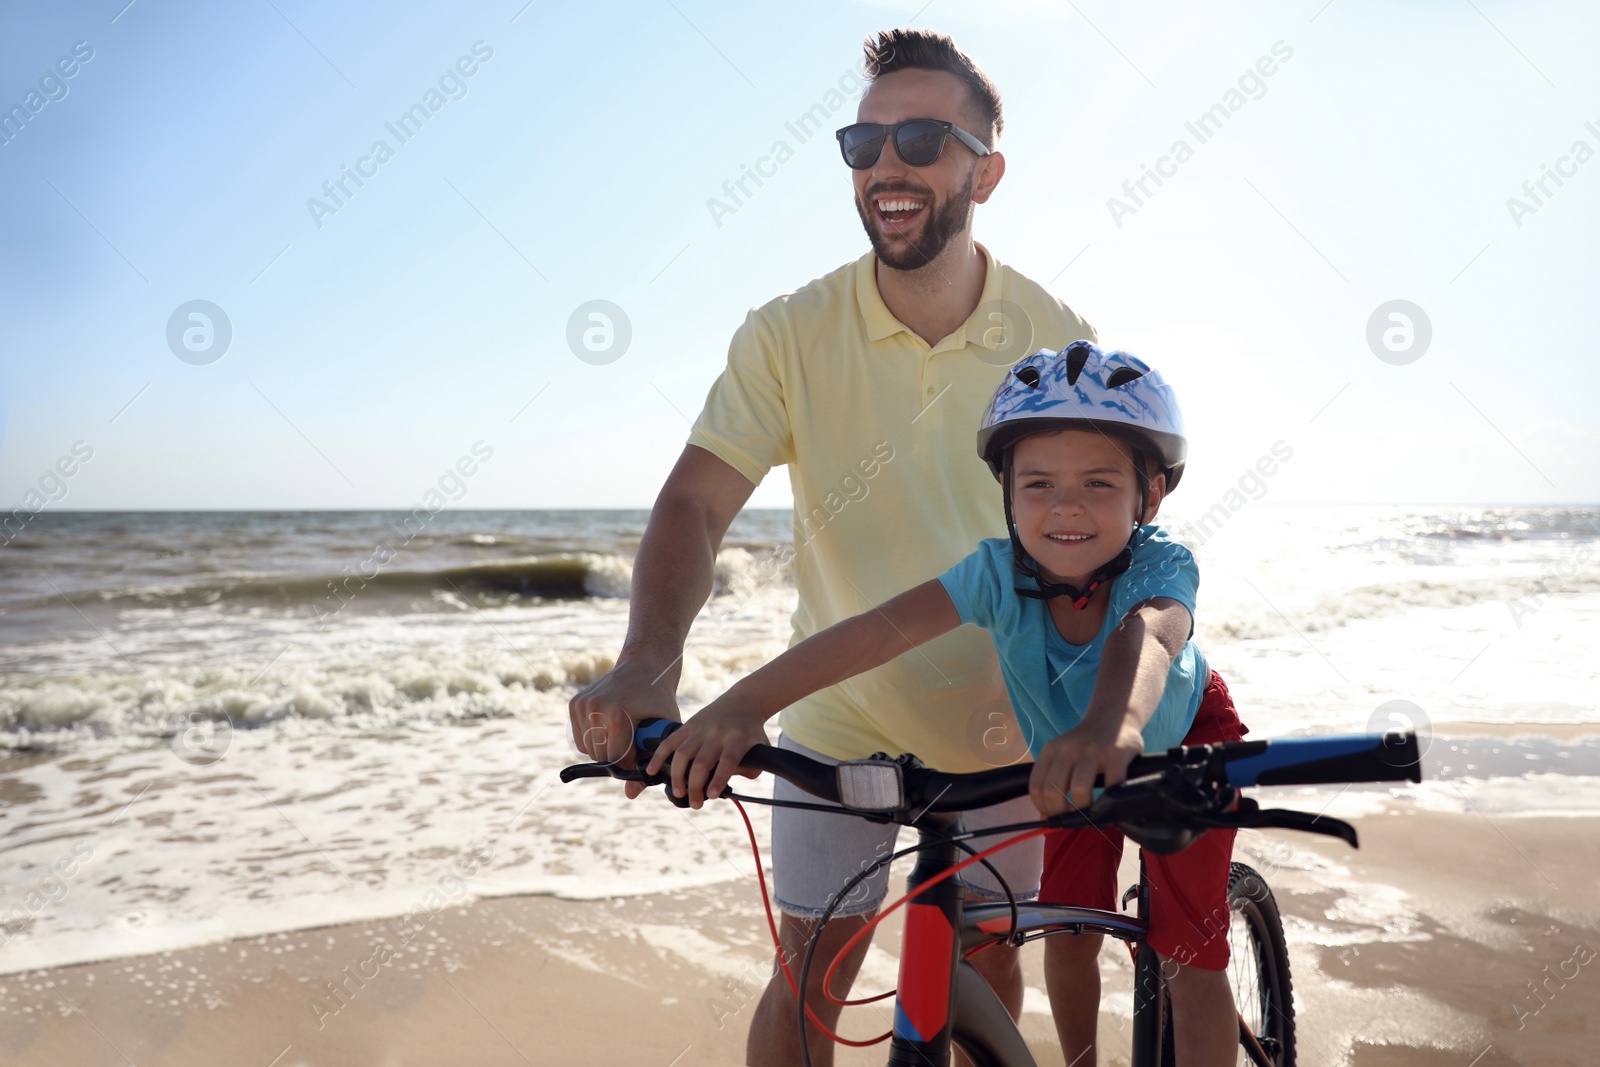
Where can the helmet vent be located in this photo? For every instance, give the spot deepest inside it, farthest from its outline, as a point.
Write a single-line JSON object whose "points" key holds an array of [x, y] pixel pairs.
{"points": [[1075, 361], [1028, 376], [1122, 376]]}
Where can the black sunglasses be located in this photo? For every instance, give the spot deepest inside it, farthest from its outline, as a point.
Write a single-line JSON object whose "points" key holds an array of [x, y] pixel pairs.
{"points": [[918, 141]]}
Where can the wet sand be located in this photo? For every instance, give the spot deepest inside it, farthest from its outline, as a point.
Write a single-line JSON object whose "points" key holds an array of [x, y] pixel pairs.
{"points": [[1446, 940]]}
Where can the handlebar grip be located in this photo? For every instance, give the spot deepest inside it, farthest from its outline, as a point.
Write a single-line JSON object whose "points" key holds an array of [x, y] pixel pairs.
{"points": [[1392, 757], [818, 779], [648, 733]]}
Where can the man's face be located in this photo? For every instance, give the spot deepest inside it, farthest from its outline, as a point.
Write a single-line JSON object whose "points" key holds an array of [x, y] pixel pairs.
{"points": [[940, 196]]}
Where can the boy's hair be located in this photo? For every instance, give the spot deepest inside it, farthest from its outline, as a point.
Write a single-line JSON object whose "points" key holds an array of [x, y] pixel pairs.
{"points": [[908, 49]]}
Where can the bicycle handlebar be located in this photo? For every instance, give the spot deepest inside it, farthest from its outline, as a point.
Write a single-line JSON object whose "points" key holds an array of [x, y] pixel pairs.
{"points": [[883, 787]]}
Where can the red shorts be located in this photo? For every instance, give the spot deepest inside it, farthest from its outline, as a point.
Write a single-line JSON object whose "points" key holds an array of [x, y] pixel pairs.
{"points": [[1188, 890]]}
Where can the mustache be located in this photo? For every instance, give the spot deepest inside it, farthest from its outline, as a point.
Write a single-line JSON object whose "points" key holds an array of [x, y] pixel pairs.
{"points": [[891, 190]]}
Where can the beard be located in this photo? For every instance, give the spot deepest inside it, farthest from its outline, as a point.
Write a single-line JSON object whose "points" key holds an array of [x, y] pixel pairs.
{"points": [[944, 221]]}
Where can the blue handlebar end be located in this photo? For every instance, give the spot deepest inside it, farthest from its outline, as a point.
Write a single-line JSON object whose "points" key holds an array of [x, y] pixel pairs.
{"points": [[1392, 757], [648, 733]]}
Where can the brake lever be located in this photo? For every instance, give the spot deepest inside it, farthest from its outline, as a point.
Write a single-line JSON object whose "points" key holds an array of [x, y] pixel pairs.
{"points": [[585, 770], [1250, 815], [1285, 819], [624, 774]]}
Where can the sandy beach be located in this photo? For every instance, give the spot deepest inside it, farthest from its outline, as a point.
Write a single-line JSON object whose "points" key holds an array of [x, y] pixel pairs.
{"points": [[1422, 948]]}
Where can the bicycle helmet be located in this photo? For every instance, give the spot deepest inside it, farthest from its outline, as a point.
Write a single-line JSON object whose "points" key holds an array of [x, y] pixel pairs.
{"points": [[1083, 387]]}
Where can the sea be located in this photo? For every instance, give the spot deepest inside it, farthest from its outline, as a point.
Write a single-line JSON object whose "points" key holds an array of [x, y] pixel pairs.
{"points": [[222, 724]]}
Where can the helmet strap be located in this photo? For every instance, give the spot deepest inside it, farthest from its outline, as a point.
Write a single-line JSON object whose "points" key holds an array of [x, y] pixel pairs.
{"points": [[1144, 486], [1048, 590]]}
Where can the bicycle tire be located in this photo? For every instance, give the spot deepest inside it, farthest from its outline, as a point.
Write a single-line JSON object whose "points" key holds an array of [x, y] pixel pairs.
{"points": [[1259, 964], [1169, 1043]]}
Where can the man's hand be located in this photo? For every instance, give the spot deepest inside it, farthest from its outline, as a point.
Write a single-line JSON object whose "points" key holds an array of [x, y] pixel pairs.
{"points": [[1063, 776], [672, 574], [603, 714], [707, 751]]}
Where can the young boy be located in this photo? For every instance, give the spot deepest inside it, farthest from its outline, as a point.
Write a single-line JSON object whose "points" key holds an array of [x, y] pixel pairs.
{"points": [[1091, 612]]}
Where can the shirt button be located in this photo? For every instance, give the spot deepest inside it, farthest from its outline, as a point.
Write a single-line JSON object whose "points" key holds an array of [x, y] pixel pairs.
{"points": [[930, 390]]}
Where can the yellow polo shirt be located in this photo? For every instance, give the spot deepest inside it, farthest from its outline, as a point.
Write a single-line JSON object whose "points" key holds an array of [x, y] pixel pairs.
{"points": [[879, 432]]}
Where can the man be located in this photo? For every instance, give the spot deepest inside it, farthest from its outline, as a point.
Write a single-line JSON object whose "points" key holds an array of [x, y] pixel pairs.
{"points": [[869, 384]]}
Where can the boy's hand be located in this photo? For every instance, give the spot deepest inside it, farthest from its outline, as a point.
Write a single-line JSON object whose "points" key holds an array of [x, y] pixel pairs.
{"points": [[1063, 776], [706, 752]]}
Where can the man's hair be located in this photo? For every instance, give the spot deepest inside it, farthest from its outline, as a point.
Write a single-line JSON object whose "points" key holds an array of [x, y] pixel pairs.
{"points": [[908, 49]]}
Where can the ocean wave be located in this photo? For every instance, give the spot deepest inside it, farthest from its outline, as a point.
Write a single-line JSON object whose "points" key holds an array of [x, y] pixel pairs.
{"points": [[481, 539], [1507, 524], [580, 575], [564, 576], [66, 712], [741, 574], [1250, 619], [372, 687]]}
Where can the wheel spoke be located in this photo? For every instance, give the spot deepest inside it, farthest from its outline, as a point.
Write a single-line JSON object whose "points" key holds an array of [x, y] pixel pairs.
{"points": [[1258, 967], [1252, 988]]}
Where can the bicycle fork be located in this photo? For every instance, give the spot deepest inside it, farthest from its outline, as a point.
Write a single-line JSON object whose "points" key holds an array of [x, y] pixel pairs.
{"points": [[1149, 988]]}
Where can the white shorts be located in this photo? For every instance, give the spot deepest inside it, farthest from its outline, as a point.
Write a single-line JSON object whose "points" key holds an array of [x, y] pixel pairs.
{"points": [[814, 853]]}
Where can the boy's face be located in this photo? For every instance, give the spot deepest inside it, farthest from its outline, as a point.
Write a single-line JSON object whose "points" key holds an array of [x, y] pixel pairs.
{"points": [[1075, 499]]}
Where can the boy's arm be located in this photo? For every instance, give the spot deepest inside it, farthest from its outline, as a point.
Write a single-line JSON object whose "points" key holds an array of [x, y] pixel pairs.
{"points": [[1127, 689], [707, 751]]}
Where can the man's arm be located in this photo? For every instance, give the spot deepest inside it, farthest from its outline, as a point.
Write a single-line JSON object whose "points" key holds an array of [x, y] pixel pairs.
{"points": [[1128, 687], [672, 575]]}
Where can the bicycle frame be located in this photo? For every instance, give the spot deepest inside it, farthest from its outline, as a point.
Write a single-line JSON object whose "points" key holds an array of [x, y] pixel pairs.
{"points": [[943, 999]]}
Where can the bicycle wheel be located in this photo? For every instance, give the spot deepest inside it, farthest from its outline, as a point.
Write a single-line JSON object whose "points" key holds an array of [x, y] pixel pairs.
{"points": [[1259, 965]]}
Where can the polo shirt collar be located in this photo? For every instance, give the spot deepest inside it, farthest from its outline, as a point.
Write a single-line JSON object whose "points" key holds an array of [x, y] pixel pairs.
{"points": [[880, 321]]}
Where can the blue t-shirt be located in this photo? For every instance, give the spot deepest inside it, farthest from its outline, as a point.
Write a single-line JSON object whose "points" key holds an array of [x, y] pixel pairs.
{"points": [[1050, 680]]}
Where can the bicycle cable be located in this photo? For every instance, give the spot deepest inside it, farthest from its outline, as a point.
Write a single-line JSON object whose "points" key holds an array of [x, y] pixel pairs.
{"points": [[805, 966], [783, 961], [1024, 831], [773, 802], [954, 839], [948, 872], [796, 986], [1033, 828]]}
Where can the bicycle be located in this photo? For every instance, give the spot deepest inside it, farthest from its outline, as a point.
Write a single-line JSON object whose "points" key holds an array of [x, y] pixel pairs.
{"points": [[1167, 801]]}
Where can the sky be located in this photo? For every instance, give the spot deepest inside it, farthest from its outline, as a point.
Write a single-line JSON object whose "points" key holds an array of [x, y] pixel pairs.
{"points": [[352, 345]]}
